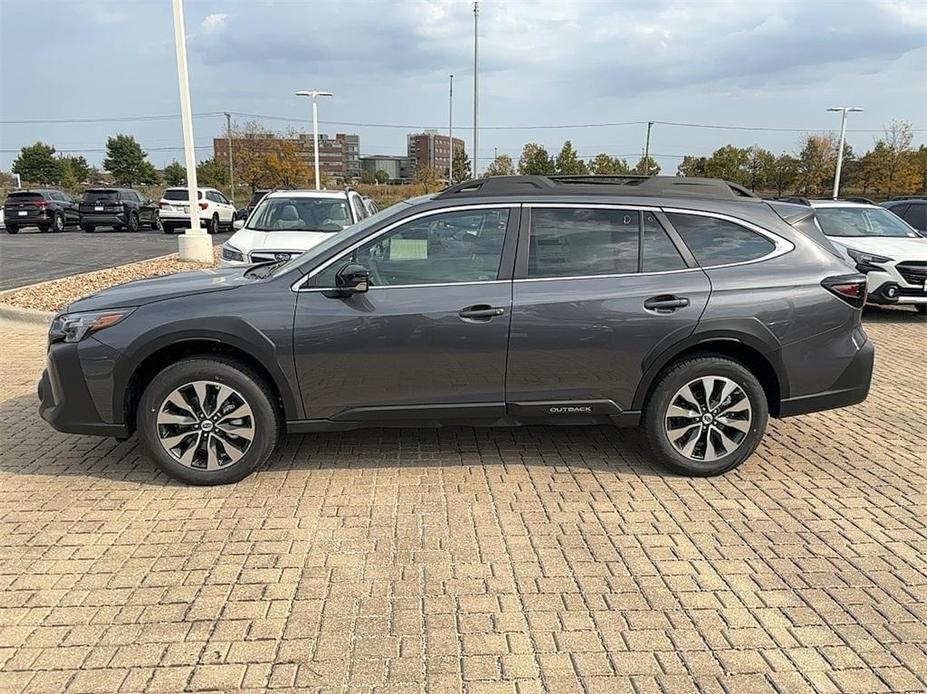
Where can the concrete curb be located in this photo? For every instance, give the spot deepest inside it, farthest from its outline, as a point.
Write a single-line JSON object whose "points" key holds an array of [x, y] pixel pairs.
{"points": [[25, 315]]}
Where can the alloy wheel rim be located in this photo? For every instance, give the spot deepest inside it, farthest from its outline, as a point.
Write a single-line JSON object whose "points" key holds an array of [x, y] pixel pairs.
{"points": [[708, 418], [205, 425]]}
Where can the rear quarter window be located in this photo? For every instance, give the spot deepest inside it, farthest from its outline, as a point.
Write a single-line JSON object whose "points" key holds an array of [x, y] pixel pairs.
{"points": [[716, 241]]}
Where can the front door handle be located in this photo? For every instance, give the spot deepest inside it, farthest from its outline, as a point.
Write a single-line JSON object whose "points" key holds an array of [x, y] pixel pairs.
{"points": [[665, 303], [480, 312]]}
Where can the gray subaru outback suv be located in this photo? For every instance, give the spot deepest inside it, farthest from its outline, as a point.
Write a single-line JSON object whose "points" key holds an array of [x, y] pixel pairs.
{"points": [[687, 306]]}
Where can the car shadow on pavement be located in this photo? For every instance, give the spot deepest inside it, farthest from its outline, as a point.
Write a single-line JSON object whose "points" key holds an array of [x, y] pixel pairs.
{"points": [[32, 447]]}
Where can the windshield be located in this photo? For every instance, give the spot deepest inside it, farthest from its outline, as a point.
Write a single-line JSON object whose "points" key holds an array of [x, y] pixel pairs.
{"points": [[97, 195], [296, 213], [180, 194], [862, 221], [322, 248]]}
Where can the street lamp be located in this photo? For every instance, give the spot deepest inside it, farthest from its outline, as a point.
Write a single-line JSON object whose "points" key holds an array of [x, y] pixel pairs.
{"points": [[843, 134], [315, 127]]}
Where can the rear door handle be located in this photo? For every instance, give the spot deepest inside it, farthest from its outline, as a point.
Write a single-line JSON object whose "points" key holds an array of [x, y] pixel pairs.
{"points": [[480, 312], [665, 303]]}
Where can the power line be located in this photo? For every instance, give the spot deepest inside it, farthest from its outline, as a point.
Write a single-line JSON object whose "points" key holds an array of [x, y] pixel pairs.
{"points": [[103, 149], [118, 119]]}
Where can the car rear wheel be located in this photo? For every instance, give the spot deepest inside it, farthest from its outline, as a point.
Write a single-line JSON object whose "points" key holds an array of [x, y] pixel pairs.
{"points": [[12, 229], [132, 224], [208, 421], [58, 223], [158, 224], [89, 228], [212, 227], [706, 415], [921, 309], [44, 228]]}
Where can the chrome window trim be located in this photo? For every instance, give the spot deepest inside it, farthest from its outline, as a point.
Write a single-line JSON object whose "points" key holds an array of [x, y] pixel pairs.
{"points": [[782, 246], [297, 286], [410, 286], [604, 277], [594, 205]]}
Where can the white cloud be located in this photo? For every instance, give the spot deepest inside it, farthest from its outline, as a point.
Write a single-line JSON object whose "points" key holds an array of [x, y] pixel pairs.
{"points": [[214, 23]]}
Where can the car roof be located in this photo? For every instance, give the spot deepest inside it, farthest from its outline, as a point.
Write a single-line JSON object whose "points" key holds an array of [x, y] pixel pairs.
{"points": [[330, 194], [184, 188]]}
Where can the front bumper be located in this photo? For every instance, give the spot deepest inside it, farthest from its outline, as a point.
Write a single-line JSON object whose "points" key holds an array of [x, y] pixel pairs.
{"points": [[103, 219], [889, 287], [76, 389], [850, 388]]}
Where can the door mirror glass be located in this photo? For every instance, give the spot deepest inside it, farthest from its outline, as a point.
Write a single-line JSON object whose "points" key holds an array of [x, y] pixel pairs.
{"points": [[238, 224], [352, 279]]}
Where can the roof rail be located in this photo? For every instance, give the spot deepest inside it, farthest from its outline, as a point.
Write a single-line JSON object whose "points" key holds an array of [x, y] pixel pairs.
{"points": [[795, 200], [671, 186], [864, 201]]}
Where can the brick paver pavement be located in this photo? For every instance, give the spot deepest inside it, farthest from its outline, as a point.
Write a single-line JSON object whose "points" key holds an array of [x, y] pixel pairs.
{"points": [[522, 560]]}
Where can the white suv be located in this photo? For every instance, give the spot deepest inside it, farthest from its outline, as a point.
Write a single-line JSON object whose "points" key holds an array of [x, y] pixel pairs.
{"points": [[216, 211], [880, 244], [288, 222]]}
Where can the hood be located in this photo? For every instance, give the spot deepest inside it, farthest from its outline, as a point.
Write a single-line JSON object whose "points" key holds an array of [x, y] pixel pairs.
{"points": [[247, 240], [148, 291], [897, 248]]}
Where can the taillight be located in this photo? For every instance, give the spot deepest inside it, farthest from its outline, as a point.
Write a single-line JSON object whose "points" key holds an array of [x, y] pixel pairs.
{"points": [[41, 204], [163, 204], [204, 205], [850, 288]]}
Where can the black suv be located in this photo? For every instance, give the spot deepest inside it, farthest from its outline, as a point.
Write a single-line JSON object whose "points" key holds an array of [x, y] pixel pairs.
{"points": [[49, 210], [120, 208], [911, 209], [686, 305]]}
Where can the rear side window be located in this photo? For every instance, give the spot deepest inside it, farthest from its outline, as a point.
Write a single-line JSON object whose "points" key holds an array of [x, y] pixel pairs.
{"points": [[659, 254], [916, 216], [719, 242], [577, 242]]}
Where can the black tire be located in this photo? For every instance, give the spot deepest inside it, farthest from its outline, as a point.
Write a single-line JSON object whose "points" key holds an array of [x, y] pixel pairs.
{"points": [[212, 226], [921, 308], [234, 374], [58, 223], [89, 228], [132, 224], [679, 375], [167, 230], [44, 228], [157, 225], [12, 229]]}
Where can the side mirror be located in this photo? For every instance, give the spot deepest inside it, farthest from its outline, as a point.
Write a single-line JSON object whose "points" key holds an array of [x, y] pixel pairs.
{"points": [[238, 224], [352, 279]]}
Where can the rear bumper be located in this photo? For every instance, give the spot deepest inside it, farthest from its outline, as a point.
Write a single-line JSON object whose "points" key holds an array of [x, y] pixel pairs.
{"points": [[102, 219], [30, 219], [850, 388]]}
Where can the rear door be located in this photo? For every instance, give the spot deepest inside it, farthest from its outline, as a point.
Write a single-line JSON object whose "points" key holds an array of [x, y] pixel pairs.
{"points": [[597, 288], [428, 340]]}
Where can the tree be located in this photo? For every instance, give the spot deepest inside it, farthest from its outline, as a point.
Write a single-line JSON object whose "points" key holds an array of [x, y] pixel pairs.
{"points": [[605, 165], [646, 168], [283, 165], [212, 172], [535, 160], [381, 176], [501, 166], [37, 164], [692, 165], [898, 171], [729, 163], [428, 177], [760, 164], [251, 143], [568, 163], [816, 163], [148, 174], [783, 173], [77, 167], [125, 160], [461, 165], [175, 174]]}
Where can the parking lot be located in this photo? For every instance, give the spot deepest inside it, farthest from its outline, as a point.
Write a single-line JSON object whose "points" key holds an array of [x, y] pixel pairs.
{"points": [[31, 256], [503, 560]]}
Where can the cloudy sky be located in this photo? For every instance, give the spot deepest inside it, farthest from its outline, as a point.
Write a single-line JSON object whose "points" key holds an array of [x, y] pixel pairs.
{"points": [[775, 64]]}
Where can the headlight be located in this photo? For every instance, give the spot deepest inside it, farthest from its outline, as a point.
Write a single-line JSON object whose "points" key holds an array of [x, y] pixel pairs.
{"points": [[232, 253], [74, 327], [866, 262]]}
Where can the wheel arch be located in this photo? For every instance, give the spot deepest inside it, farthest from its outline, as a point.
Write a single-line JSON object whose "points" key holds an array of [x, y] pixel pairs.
{"points": [[747, 350]]}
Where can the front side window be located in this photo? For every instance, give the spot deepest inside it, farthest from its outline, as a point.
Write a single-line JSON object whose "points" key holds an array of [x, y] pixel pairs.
{"points": [[862, 221], [299, 213], [916, 216], [438, 249], [578, 242], [716, 241]]}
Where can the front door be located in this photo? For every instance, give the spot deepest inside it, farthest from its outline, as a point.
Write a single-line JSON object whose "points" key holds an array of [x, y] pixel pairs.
{"points": [[597, 289], [428, 339]]}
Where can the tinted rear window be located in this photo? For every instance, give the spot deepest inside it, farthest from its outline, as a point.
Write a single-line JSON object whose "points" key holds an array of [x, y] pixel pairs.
{"points": [[256, 198], [916, 216], [98, 195], [24, 196], [718, 242], [180, 194]]}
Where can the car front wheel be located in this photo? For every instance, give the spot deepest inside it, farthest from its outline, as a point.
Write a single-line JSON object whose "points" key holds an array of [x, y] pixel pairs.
{"points": [[12, 229], [208, 421], [706, 415], [132, 222]]}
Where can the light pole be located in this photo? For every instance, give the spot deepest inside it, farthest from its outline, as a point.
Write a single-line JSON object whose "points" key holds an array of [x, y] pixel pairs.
{"points": [[843, 135], [228, 135], [315, 128], [194, 244], [476, 89], [647, 150], [450, 134]]}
